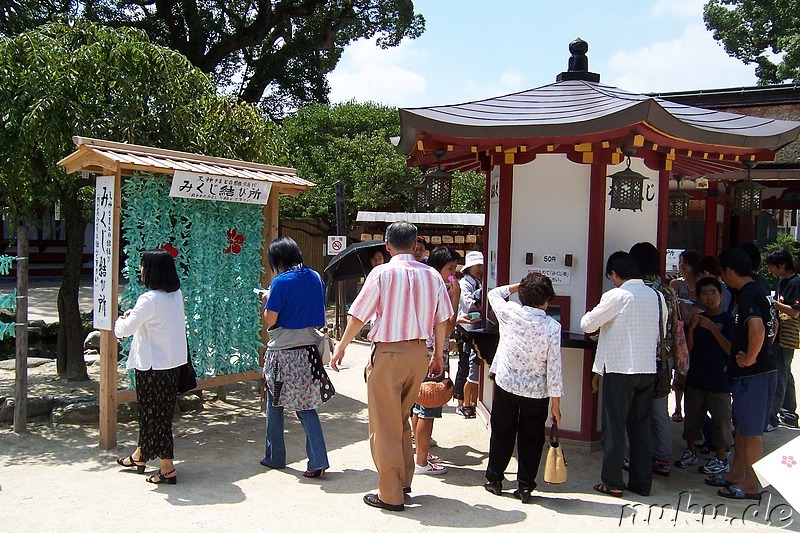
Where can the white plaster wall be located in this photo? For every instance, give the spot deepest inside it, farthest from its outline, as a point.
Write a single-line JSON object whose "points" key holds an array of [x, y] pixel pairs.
{"points": [[625, 228], [551, 216]]}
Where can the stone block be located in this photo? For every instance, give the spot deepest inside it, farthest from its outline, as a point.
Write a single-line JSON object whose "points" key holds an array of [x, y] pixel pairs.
{"points": [[77, 413]]}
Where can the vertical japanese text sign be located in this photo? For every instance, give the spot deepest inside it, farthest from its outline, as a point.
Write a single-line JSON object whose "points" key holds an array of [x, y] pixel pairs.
{"points": [[103, 215]]}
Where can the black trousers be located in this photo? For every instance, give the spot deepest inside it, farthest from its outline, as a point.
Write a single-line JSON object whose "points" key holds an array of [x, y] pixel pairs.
{"points": [[464, 349], [626, 409], [521, 420], [156, 393]]}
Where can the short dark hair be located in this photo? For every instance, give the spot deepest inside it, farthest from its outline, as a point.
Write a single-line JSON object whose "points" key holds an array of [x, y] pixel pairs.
{"points": [[647, 258], [709, 264], [283, 254], [159, 272], [535, 290], [401, 235], [690, 258], [781, 257], [753, 252], [702, 282], [623, 264], [737, 260], [440, 256]]}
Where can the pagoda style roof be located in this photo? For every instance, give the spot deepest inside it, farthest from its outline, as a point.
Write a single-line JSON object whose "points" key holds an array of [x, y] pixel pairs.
{"points": [[566, 115]]}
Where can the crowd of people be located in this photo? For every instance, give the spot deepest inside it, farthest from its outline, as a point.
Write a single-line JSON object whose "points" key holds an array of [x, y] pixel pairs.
{"points": [[718, 328]]}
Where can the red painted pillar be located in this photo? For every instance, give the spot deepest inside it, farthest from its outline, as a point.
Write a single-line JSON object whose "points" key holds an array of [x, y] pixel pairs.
{"points": [[504, 224], [663, 216], [710, 244], [595, 267]]}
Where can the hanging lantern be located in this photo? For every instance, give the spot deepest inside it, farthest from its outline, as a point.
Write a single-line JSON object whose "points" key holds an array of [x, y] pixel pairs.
{"points": [[678, 205], [420, 202], [627, 186], [747, 194], [438, 185]]}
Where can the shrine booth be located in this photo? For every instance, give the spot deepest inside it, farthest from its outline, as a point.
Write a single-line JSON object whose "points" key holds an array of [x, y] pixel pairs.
{"points": [[216, 217], [577, 170]]}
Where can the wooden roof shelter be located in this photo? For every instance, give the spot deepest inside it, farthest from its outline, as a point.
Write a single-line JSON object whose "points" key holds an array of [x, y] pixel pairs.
{"points": [[121, 160]]}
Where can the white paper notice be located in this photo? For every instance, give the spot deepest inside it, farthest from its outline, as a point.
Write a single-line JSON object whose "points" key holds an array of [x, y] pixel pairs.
{"points": [[103, 216], [781, 469], [219, 188]]}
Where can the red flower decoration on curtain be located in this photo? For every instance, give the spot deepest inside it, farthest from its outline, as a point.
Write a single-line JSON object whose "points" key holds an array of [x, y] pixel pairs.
{"points": [[171, 249], [234, 242]]}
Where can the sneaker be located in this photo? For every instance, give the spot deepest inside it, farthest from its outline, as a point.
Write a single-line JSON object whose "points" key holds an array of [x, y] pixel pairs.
{"points": [[788, 419], [430, 469], [687, 459], [626, 465], [715, 466], [460, 410], [661, 467], [770, 428]]}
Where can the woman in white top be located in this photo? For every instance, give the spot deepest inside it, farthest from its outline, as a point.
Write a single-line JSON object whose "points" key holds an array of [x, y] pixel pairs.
{"points": [[158, 325], [527, 378]]}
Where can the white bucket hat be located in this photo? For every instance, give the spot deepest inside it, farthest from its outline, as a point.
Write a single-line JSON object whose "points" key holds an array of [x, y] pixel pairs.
{"points": [[472, 259]]}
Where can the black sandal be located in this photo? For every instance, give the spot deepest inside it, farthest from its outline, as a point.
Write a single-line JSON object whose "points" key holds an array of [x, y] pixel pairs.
{"points": [[139, 465], [314, 473], [161, 478]]}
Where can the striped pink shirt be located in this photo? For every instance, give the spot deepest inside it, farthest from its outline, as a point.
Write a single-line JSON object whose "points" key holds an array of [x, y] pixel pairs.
{"points": [[405, 297]]}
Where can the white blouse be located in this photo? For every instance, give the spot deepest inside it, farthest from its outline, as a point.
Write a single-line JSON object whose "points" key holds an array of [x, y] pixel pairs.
{"points": [[158, 325], [528, 358]]}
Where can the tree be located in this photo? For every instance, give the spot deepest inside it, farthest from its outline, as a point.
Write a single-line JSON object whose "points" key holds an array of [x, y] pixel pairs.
{"points": [[281, 49], [58, 81], [348, 143], [756, 31], [468, 193]]}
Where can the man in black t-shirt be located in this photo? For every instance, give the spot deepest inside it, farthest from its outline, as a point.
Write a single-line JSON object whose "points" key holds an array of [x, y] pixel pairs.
{"points": [[787, 303], [754, 376]]}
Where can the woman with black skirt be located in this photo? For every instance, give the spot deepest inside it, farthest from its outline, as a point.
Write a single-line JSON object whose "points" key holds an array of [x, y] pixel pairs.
{"points": [[158, 325]]}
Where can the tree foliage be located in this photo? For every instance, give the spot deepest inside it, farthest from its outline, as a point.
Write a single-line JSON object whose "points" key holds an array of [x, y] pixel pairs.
{"points": [[281, 49], [348, 143], [759, 31], [58, 81]]}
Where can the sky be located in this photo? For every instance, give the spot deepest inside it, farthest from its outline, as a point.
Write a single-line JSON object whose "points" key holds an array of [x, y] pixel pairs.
{"points": [[475, 49]]}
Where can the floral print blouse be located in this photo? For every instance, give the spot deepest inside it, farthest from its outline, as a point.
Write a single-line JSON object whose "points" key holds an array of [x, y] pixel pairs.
{"points": [[528, 358]]}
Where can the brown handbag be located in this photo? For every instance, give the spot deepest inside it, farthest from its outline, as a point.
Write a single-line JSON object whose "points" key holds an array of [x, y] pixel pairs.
{"points": [[435, 393], [555, 468]]}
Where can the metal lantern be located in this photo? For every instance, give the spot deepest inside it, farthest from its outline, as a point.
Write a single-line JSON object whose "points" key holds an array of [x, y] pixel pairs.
{"points": [[747, 194], [420, 202], [438, 185], [627, 186], [678, 204]]}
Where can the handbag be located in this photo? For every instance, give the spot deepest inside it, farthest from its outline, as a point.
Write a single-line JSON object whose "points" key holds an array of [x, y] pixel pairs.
{"points": [[187, 379], [663, 377], [435, 393], [680, 350], [555, 467]]}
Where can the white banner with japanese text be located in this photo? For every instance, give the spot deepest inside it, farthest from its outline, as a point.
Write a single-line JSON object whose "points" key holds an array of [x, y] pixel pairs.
{"points": [[219, 188], [103, 239]]}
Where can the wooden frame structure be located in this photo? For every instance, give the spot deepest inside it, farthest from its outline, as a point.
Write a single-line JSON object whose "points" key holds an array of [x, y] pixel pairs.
{"points": [[122, 160]]}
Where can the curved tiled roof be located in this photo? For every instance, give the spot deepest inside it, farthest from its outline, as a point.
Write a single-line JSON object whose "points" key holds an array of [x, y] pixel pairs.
{"points": [[576, 108]]}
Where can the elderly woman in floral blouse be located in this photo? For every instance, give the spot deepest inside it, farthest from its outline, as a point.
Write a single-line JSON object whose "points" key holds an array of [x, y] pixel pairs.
{"points": [[527, 378]]}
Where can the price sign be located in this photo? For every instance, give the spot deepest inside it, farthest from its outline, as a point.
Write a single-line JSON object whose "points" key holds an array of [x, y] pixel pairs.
{"points": [[336, 243], [549, 259]]}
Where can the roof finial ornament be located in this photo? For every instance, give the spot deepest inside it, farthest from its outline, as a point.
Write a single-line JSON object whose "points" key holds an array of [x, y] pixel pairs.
{"points": [[578, 65]]}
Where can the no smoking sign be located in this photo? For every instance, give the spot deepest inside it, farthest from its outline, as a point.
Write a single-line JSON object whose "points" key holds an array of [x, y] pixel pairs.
{"points": [[336, 243]]}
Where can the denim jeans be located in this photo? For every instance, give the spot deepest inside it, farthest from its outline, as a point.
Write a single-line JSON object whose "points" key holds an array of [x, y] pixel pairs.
{"points": [[661, 430], [275, 455]]}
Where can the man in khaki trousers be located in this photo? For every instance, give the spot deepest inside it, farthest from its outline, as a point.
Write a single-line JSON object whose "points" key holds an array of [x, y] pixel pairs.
{"points": [[408, 303]]}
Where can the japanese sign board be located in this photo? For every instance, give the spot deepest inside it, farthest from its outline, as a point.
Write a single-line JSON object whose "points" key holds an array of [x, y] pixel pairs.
{"points": [[336, 243], [558, 275], [219, 188], [673, 256], [103, 229]]}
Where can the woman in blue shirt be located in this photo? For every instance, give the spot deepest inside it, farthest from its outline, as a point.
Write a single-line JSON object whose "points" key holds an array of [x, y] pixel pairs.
{"points": [[293, 369]]}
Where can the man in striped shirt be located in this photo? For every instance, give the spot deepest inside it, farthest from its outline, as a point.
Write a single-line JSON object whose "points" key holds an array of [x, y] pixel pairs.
{"points": [[408, 303]]}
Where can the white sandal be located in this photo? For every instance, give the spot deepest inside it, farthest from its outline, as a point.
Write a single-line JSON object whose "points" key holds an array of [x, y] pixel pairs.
{"points": [[430, 469]]}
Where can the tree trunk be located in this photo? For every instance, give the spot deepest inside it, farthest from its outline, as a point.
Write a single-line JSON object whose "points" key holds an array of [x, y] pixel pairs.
{"points": [[21, 363], [69, 348]]}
